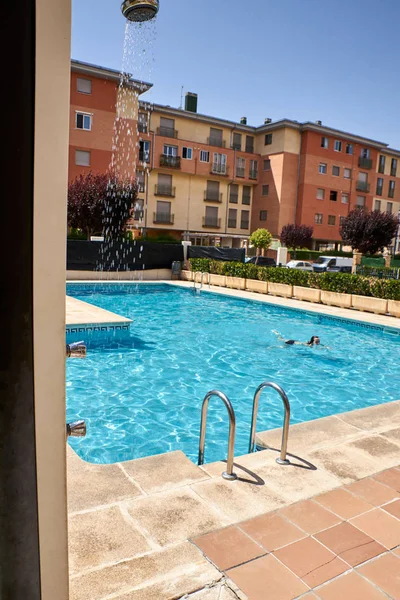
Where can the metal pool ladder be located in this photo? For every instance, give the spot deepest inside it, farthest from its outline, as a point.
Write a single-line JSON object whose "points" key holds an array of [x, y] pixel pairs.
{"points": [[200, 282], [282, 460], [228, 474]]}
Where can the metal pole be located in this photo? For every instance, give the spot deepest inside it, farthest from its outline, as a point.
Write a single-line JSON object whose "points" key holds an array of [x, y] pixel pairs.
{"points": [[282, 460], [228, 474]]}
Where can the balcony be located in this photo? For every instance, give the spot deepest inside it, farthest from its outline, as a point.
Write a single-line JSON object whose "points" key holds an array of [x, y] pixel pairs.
{"points": [[219, 169], [138, 215], [165, 190], [246, 200], [249, 149], [171, 162], [231, 223], [233, 198], [140, 187], [253, 174], [212, 222], [210, 196], [379, 190], [144, 156], [362, 186], [167, 132], [240, 172], [213, 141], [365, 163], [244, 224], [391, 193], [236, 146], [163, 218], [142, 127]]}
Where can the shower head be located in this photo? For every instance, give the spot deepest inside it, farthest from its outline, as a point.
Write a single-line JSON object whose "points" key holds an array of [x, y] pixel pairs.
{"points": [[140, 10]]}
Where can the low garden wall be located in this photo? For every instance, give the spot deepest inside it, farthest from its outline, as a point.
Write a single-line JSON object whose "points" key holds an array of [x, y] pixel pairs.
{"points": [[370, 294]]}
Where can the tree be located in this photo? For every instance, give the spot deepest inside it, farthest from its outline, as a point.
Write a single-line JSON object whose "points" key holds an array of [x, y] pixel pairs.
{"points": [[368, 232], [296, 236], [100, 203], [261, 239]]}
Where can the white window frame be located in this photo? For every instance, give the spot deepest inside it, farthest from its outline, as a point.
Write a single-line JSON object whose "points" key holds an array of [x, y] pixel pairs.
{"points": [[345, 195], [318, 222], [346, 169], [80, 164], [325, 166], [324, 142], [189, 153], [170, 150], [203, 152], [323, 193], [337, 146], [84, 114]]}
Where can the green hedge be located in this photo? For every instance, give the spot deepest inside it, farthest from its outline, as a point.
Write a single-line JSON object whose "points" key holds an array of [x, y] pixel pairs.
{"points": [[344, 283]]}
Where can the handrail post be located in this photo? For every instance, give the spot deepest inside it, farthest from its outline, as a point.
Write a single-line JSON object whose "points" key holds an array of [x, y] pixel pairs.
{"points": [[282, 460], [228, 474], [201, 280]]}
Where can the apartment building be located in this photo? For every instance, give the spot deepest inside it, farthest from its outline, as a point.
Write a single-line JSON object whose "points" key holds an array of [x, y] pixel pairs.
{"points": [[213, 181]]}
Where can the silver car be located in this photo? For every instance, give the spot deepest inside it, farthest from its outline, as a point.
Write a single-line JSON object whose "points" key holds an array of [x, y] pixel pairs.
{"points": [[302, 265]]}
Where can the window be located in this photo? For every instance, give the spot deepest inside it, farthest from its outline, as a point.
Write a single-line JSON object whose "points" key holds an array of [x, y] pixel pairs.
{"points": [[253, 173], [268, 139], [336, 171], [331, 220], [382, 162], [333, 196], [267, 164], [167, 127], [349, 149], [245, 219], [338, 146], [320, 194], [164, 185], [249, 144], [144, 151], [233, 193], [237, 141], [212, 192], [187, 153], [347, 173], [345, 198], [341, 220], [265, 190], [170, 150], [232, 218], [365, 153], [324, 142], [216, 136], [377, 205], [219, 164], [138, 212], [240, 166], [389, 208], [323, 167], [246, 194], [360, 201], [263, 215], [140, 180], [204, 156], [391, 189], [83, 121], [393, 167], [82, 158], [318, 218], [142, 123], [84, 86], [163, 214], [379, 186], [211, 218]]}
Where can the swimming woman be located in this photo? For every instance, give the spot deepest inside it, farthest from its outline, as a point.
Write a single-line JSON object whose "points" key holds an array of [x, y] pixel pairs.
{"points": [[314, 341]]}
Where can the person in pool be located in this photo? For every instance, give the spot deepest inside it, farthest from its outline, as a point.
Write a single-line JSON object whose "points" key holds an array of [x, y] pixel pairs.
{"points": [[314, 341]]}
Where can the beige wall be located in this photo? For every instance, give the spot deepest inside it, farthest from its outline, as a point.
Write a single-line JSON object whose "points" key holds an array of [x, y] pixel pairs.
{"points": [[51, 169], [283, 140], [192, 129]]}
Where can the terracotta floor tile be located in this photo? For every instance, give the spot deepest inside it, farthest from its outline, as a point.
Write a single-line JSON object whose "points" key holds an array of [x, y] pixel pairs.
{"points": [[308, 597], [385, 573], [397, 552], [271, 531], [342, 538], [391, 477], [372, 491], [266, 573], [312, 562], [357, 556], [381, 526], [393, 508], [350, 587], [343, 503], [311, 517], [228, 547]]}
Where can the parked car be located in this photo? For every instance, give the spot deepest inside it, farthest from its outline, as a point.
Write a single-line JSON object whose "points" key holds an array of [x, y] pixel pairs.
{"points": [[302, 265], [325, 263], [337, 269], [262, 261]]}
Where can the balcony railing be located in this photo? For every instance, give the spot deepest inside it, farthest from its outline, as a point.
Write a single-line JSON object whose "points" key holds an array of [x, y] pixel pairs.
{"points": [[240, 171], [233, 198], [253, 174], [244, 224], [249, 149], [212, 222], [165, 190], [246, 200], [391, 193], [138, 215], [218, 169], [167, 132], [172, 162], [211, 196], [144, 156], [236, 146], [232, 223], [365, 163], [379, 190], [213, 141], [142, 127], [164, 218], [362, 186], [140, 187]]}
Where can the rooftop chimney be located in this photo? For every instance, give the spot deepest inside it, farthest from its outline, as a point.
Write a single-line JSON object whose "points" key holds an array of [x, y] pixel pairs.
{"points": [[243, 121], [191, 102], [267, 121], [319, 123]]}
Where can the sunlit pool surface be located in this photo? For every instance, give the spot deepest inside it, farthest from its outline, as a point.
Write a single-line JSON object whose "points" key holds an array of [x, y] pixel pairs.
{"points": [[144, 397]]}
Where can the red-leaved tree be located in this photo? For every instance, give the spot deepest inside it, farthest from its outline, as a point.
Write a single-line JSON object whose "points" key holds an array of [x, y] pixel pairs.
{"points": [[368, 232], [101, 203], [296, 236]]}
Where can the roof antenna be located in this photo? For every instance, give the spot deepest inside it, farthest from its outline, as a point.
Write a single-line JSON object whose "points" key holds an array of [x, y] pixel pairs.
{"points": [[181, 106]]}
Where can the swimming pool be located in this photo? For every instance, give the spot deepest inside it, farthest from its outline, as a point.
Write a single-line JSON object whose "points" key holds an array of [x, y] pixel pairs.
{"points": [[144, 396]]}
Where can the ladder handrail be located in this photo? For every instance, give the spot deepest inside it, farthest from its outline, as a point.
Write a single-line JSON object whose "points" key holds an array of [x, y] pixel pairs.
{"points": [[201, 280], [228, 474], [286, 422]]}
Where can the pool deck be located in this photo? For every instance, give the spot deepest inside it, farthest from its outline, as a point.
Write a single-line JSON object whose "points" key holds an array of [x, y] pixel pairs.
{"points": [[82, 313]]}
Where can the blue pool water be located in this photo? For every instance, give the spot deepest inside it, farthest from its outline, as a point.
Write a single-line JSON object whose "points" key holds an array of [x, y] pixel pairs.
{"points": [[144, 397]]}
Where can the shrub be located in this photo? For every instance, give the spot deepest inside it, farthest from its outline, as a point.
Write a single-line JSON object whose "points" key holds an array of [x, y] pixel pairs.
{"points": [[282, 275], [200, 264], [251, 271], [342, 283], [389, 289], [234, 269]]}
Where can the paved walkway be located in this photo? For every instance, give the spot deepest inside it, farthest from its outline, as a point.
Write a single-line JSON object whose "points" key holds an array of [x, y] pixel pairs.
{"points": [[83, 313]]}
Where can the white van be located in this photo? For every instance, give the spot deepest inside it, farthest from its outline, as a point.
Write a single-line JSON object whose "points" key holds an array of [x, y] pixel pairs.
{"points": [[334, 263]]}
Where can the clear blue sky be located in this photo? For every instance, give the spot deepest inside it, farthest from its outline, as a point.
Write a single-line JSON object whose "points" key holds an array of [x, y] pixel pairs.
{"points": [[330, 60]]}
